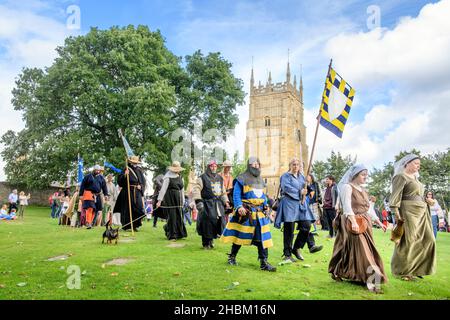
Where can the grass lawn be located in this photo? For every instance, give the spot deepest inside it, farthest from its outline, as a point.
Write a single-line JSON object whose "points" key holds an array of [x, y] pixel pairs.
{"points": [[159, 272]]}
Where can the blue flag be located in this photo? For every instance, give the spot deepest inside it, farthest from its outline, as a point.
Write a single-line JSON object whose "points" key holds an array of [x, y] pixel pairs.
{"points": [[128, 149], [109, 165], [80, 170]]}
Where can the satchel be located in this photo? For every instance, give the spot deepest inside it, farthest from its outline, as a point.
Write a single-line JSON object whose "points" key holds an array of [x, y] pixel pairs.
{"points": [[362, 224], [397, 232], [276, 203]]}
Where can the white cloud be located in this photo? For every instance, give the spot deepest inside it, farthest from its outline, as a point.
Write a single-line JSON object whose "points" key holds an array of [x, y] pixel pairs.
{"points": [[413, 56], [28, 39]]}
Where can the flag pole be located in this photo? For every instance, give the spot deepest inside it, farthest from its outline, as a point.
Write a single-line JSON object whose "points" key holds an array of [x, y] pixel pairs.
{"points": [[317, 129], [129, 195], [128, 184]]}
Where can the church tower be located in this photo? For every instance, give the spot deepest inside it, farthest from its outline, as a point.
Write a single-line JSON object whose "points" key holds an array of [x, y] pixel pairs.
{"points": [[275, 130]]}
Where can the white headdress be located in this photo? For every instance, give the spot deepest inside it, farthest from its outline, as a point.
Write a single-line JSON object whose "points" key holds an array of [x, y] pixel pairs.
{"points": [[350, 174], [400, 165]]}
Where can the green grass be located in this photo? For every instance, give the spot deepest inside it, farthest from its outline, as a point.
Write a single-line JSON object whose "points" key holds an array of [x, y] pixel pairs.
{"points": [[159, 272]]}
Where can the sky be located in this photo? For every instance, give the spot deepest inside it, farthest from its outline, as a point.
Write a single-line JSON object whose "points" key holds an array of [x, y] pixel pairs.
{"points": [[394, 53]]}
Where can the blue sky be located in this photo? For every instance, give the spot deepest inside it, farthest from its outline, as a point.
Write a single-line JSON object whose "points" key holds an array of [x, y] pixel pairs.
{"points": [[382, 64]]}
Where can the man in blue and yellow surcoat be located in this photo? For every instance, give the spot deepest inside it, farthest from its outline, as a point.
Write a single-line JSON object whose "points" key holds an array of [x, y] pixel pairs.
{"points": [[249, 224]]}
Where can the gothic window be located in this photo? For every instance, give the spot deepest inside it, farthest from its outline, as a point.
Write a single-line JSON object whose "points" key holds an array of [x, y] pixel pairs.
{"points": [[267, 122]]}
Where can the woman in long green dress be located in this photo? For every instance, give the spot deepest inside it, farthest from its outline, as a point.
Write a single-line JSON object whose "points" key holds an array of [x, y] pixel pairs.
{"points": [[414, 254]]}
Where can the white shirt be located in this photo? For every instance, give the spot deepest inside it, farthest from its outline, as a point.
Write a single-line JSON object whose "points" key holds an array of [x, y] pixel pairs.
{"points": [[436, 210], [12, 198], [347, 201]]}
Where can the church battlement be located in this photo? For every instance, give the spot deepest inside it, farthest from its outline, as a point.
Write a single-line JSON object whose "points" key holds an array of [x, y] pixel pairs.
{"points": [[286, 86], [278, 87]]}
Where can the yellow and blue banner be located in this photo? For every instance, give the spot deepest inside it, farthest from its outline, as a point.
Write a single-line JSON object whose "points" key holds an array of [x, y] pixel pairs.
{"points": [[337, 102]]}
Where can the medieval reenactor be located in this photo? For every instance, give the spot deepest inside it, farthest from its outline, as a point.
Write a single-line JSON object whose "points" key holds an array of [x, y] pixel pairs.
{"points": [[137, 188], [211, 200], [157, 211], [249, 224], [91, 187], [170, 200]]}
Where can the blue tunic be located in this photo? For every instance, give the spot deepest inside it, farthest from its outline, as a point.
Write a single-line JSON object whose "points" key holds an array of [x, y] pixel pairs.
{"points": [[291, 209], [243, 232]]}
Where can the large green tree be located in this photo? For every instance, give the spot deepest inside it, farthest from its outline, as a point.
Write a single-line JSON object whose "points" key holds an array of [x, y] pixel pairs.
{"points": [[110, 79], [335, 165], [434, 174]]}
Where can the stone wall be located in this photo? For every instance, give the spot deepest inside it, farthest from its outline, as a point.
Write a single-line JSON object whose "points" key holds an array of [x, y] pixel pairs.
{"points": [[38, 197]]}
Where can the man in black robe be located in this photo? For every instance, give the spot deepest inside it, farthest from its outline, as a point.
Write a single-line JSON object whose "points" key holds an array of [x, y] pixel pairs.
{"points": [[137, 190], [211, 200]]}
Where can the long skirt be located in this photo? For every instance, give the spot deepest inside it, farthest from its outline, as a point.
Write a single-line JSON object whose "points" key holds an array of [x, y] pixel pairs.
{"points": [[175, 227], [355, 257], [415, 255]]}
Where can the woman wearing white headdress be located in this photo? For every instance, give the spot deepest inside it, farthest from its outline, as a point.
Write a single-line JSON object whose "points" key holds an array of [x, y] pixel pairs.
{"points": [[355, 257], [414, 253]]}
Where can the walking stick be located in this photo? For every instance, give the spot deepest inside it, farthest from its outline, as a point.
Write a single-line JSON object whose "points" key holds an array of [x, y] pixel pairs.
{"points": [[129, 196]]}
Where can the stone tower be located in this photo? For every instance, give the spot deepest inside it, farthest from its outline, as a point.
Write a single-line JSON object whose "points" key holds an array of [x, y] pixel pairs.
{"points": [[275, 130]]}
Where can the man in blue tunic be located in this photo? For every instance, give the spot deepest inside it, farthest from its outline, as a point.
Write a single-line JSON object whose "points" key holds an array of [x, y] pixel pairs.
{"points": [[293, 209], [249, 224]]}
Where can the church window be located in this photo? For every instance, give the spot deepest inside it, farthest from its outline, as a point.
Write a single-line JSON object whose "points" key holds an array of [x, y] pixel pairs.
{"points": [[267, 122]]}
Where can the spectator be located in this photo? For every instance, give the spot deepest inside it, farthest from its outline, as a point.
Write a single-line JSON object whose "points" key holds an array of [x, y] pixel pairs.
{"points": [[23, 202], [187, 210], [12, 199], [56, 203], [62, 215], [4, 212], [315, 199], [329, 203], [437, 216], [148, 209], [372, 203]]}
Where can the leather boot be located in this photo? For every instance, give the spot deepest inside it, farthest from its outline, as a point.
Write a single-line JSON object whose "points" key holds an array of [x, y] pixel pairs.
{"points": [[266, 266], [232, 259]]}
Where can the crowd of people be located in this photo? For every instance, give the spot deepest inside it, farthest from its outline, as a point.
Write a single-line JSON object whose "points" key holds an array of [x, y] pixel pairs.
{"points": [[238, 211]]}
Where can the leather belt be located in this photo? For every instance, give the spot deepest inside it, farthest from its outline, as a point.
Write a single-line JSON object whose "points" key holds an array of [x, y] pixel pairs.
{"points": [[412, 198]]}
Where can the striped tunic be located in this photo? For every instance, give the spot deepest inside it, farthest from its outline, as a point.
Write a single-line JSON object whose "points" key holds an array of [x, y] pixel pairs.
{"points": [[245, 232]]}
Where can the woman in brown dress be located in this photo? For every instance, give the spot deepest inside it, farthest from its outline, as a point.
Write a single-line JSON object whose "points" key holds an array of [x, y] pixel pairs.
{"points": [[414, 253], [355, 257]]}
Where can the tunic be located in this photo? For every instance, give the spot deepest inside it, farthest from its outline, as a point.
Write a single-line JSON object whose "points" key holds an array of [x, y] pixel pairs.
{"points": [[211, 221], [415, 254], [242, 231], [354, 255], [172, 205], [291, 209], [137, 203]]}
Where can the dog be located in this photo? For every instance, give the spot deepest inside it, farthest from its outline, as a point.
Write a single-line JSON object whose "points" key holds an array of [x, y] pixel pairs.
{"points": [[110, 234]]}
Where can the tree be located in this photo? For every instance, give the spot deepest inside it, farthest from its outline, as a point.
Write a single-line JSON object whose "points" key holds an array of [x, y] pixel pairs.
{"points": [[110, 79], [434, 175], [335, 165]]}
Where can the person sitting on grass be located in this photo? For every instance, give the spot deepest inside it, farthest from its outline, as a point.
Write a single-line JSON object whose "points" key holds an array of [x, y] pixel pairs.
{"points": [[4, 213]]}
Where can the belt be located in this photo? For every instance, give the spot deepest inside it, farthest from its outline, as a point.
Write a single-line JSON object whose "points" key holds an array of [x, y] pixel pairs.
{"points": [[412, 198]]}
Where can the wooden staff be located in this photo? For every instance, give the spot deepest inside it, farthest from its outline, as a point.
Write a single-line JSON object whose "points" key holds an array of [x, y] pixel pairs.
{"points": [[129, 195], [317, 130]]}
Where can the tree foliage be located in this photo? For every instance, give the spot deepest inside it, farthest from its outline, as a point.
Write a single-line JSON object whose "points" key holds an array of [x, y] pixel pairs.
{"points": [[335, 165], [110, 79], [434, 173]]}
